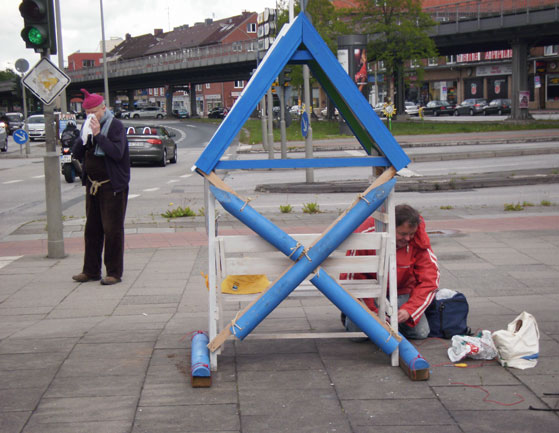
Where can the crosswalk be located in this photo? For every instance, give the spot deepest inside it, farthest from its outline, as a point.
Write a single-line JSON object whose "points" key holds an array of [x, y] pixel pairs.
{"points": [[6, 260]]}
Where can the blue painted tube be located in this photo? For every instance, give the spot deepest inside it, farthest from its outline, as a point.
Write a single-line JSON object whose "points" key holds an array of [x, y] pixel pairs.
{"points": [[270, 299], [356, 312], [200, 356], [264, 227], [411, 357]]}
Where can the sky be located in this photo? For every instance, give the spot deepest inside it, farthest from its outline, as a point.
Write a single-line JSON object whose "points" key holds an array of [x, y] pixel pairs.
{"points": [[81, 22]]}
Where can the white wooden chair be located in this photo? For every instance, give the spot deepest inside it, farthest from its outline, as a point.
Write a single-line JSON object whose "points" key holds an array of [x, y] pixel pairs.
{"points": [[251, 254]]}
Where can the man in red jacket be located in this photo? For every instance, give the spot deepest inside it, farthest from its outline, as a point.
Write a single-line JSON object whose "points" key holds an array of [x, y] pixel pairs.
{"points": [[418, 273]]}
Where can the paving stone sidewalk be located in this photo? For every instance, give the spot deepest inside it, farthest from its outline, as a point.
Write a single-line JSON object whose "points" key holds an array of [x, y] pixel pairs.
{"points": [[86, 358]]}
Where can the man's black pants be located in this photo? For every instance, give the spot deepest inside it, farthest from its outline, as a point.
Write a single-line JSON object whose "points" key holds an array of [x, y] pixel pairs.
{"points": [[105, 214]]}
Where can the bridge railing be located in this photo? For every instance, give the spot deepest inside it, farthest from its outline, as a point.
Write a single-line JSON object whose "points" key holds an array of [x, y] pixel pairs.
{"points": [[179, 59], [475, 9]]}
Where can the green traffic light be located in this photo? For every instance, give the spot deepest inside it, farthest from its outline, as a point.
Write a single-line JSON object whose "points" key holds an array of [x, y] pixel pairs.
{"points": [[35, 36]]}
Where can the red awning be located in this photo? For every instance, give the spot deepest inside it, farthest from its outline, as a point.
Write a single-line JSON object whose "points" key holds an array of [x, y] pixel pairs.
{"points": [[76, 100]]}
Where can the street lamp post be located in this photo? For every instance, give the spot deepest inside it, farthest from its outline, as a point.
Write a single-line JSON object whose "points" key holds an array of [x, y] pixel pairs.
{"points": [[105, 75]]}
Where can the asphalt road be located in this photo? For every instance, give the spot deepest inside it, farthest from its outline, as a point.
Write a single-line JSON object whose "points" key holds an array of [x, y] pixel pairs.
{"points": [[153, 190]]}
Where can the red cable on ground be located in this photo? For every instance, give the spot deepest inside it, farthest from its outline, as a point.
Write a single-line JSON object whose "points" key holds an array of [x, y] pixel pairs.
{"points": [[487, 394]]}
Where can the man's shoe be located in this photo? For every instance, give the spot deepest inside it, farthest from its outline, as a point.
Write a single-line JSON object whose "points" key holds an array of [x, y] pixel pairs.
{"points": [[108, 281], [84, 278]]}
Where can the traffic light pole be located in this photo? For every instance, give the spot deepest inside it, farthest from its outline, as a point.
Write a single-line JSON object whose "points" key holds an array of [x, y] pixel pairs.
{"points": [[53, 195]]}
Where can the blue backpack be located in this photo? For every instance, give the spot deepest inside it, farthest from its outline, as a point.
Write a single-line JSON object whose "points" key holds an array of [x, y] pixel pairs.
{"points": [[448, 317]]}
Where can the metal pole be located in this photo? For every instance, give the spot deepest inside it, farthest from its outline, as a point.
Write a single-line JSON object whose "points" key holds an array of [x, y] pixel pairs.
{"points": [[27, 144], [308, 140], [53, 198], [105, 74], [283, 132], [270, 105], [62, 96]]}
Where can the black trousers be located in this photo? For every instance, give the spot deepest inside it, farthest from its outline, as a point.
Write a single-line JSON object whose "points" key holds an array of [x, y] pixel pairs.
{"points": [[104, 225]]}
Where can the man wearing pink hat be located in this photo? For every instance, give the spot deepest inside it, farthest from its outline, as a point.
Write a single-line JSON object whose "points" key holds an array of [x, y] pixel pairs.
{"points": [[103, 149]]}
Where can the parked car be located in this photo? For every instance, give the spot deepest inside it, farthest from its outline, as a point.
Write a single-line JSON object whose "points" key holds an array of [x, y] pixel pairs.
{"points": [[3, 137], [36, 127], [15, 121], [411, 108], [498, 106], [296, 110], [438, 108], [151, 143], [378, 109], [181, 113], [470, 106], [217, 113], [146, 112], [324, 112]]}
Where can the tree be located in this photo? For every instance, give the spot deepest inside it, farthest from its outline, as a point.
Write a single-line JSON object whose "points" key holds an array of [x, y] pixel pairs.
{"points": [[397, 32]]}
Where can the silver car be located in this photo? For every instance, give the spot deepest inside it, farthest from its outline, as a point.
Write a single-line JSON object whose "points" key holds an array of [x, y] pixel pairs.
{"points": [[36, 127], [3, 137], [146, 112], [151, 143]]}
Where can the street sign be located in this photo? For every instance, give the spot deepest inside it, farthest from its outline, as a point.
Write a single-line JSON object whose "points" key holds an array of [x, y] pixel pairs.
{"points": [[46, 81], [20, 136], [304, 124]]}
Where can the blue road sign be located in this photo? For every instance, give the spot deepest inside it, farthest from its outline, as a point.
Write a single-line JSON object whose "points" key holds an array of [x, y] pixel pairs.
{"points": [[305, 124], [20, 136]]}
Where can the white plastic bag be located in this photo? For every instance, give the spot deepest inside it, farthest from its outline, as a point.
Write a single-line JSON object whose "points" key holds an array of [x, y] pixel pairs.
{"points": [[479, 346], [519, 344]]}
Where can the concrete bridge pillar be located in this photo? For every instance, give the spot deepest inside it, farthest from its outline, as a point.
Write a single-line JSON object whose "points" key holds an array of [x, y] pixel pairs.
{"points": [[193, 108], [169, 90], [130, 94], [519, 80]]}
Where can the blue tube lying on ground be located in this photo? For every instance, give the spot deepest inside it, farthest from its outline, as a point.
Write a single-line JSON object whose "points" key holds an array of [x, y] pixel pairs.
{"points": [[200, 356]]}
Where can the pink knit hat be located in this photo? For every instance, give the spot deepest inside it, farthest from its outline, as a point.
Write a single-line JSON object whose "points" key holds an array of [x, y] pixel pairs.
{"points": [[91, 100]]}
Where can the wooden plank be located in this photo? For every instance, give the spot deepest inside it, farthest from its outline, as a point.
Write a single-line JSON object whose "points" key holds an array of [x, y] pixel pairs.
{"points": [[254, 243], [273, 265], [415, 375]]}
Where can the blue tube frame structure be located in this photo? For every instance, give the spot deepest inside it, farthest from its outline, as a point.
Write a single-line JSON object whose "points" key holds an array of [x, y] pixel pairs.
{"points": [[375, 330]]}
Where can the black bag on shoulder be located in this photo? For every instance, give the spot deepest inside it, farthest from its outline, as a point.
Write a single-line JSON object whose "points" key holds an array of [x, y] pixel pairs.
{"points": [[448, 317]]}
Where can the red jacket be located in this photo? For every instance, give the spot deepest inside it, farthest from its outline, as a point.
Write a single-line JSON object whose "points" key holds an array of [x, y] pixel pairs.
{"points": [[417, 269]]}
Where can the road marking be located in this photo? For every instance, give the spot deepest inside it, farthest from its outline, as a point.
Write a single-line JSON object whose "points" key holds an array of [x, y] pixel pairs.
{"points": [[12, 181], [184, 176], [133, 195], [150, 189], [6, 260], [38, 177], [173, 181]]}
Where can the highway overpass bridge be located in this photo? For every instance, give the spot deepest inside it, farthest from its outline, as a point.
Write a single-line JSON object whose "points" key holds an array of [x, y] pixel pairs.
{"points": [[463, 27]]}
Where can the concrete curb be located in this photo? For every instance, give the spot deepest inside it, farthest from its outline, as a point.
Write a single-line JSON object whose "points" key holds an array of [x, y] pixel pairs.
{"points": [[427, 183]]}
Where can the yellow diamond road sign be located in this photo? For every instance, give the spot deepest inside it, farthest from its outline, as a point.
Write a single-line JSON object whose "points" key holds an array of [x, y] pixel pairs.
{"points": [[46, 81]]}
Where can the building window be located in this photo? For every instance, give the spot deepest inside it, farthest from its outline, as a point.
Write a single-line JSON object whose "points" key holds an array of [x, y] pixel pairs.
{"points": [[237, 46], [551, 50], [250, 47], [88, 63], [208, 85], [414, 63], [156, 91], [239, 84], [198, 87], [380, 65], [251, 28], [433, 61], [450, 59]]}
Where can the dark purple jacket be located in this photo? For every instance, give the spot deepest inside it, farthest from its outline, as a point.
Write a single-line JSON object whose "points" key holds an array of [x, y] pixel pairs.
{"points": [[117, 158]]}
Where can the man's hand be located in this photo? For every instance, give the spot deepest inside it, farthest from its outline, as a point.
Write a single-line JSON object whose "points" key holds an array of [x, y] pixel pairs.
{"points": [[403, 315], [95, 126]]}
